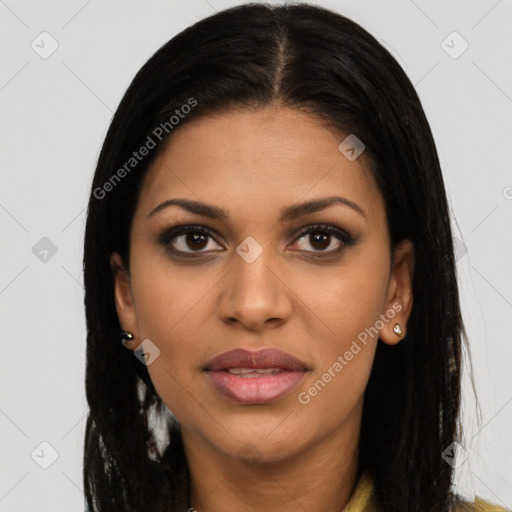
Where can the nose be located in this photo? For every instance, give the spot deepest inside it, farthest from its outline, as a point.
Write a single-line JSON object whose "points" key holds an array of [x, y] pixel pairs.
{"points": [[255, 295]]}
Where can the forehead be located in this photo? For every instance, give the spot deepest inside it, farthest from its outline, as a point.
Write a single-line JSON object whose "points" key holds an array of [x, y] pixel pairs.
{"points": [[242, 156]]}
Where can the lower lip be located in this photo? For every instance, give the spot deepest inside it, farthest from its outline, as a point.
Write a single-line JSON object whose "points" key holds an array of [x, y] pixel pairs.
{"points": [[255, 390]]}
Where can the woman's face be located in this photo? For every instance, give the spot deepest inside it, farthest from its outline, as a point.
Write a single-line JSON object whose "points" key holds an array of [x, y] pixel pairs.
{"points": [[258, 276]]}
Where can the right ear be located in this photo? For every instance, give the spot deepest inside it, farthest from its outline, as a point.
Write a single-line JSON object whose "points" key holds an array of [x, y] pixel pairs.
{"points": [[124, 299]]}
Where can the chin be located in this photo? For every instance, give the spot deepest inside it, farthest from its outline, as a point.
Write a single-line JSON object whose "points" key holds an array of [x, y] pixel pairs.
{"points": [[253, 444]]}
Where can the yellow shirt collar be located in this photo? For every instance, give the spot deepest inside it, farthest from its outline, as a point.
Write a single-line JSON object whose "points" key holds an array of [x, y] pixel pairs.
{"points": [[362, 497]]}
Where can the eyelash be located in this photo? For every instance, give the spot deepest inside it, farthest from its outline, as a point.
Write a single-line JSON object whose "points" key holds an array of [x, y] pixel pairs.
{"points": [[176, 229]]}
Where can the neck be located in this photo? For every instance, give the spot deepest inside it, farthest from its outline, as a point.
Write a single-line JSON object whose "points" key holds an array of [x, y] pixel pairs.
{"points": [[320, 477]]}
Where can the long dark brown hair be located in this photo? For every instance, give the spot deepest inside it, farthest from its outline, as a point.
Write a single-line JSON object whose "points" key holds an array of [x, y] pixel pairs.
{"points": [[308, 58]]}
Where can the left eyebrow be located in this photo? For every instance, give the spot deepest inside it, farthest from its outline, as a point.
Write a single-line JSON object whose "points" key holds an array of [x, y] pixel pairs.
{"points": [[292, 212], [288, 214]]}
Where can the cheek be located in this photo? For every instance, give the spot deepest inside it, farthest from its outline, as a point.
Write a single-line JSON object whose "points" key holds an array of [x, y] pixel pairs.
{"points": [[343, 304], [166, 300], [344, 307], [171, 310]]}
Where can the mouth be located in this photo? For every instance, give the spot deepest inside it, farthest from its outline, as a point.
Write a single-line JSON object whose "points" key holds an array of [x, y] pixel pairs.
{"points": [[255, 377]]}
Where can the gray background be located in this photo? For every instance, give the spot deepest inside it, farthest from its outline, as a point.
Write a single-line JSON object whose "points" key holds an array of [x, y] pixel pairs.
{"points": [[54, 115]]}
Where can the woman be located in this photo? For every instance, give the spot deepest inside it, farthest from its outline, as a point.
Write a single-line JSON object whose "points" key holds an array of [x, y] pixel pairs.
{"points": [[268, 233]]}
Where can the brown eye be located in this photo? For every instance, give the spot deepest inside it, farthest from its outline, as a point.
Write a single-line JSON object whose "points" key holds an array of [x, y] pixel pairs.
{"points": [[324, 240], [196, 241], [187, 240], [320, 241]]}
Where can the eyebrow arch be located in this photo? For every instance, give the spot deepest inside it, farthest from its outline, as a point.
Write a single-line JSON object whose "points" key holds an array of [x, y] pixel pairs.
{"points": [[288, 214]]}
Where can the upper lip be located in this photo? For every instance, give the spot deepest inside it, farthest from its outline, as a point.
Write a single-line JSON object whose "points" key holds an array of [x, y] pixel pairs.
{"points": [[264, 358]]}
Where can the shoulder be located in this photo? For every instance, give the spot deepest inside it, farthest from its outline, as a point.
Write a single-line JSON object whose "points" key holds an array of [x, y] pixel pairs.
{"points": [[479, 505], [364, 500], [485, 506]]}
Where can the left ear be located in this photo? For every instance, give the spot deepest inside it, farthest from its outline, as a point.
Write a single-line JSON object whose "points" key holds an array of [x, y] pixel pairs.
{"points": [[399, 298]]}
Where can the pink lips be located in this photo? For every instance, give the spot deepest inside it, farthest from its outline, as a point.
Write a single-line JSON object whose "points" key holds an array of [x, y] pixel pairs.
{"points": [[281, 373]]}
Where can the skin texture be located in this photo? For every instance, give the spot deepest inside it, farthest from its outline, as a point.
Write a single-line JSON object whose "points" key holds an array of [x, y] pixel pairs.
{"points": [[252, 164]]}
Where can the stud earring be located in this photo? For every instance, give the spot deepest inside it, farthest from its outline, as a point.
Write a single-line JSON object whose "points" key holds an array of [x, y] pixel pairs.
{"points": [[398, 330], [125, 336]]}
